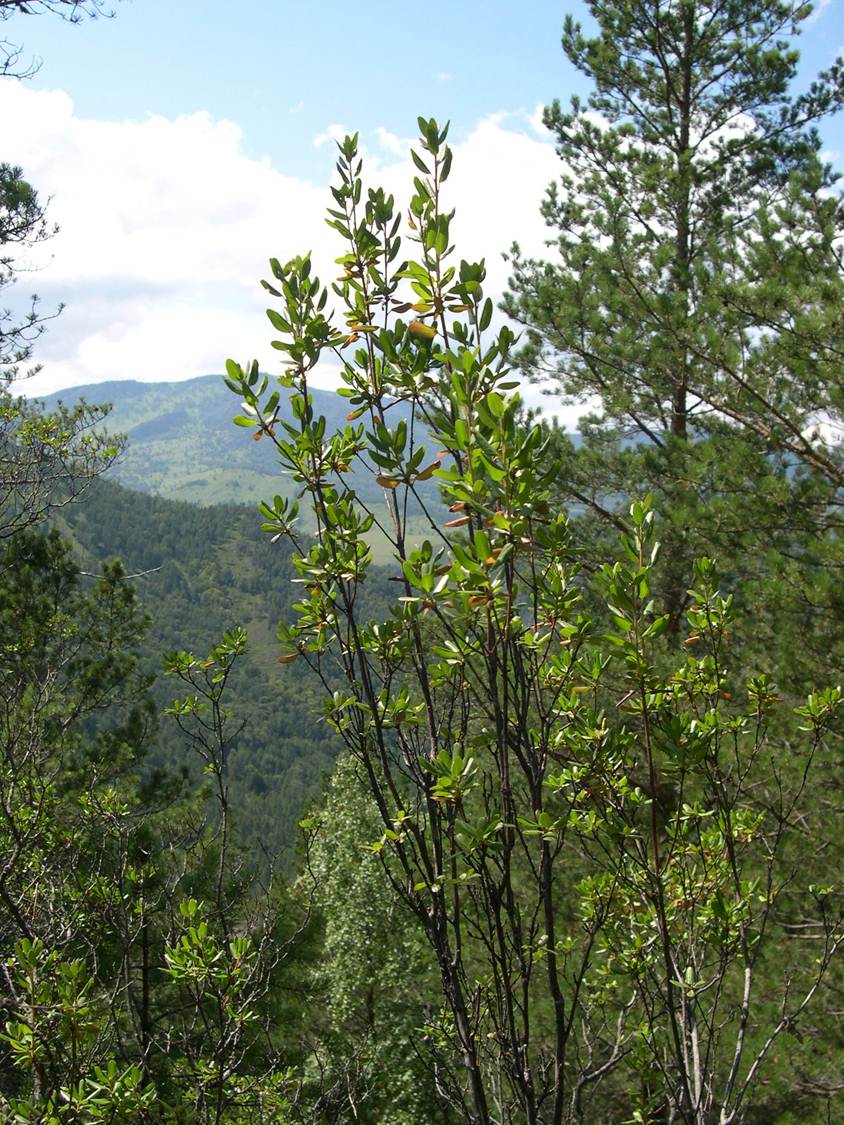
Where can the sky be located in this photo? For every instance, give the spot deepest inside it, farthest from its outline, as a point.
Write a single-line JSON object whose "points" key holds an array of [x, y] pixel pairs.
{"points": [[184, 142]]}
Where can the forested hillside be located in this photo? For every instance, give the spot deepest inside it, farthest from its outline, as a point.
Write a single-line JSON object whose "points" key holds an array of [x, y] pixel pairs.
{"points": [[181, 443], [201, 572]]}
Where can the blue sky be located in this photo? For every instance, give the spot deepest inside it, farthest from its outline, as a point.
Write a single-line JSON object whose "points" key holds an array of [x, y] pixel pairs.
{"points": [[285, 71], [185, 141]]}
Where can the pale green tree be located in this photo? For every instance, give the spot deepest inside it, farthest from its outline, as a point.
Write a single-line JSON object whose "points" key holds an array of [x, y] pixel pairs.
{"points": [[373, 982], [590, 832]]}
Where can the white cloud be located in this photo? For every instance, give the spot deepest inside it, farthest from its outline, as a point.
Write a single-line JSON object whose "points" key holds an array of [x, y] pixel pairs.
{"points": [[818, 10], [536, 120], [396, 146], [498, 181], [442, 76], [167, 225], [332, 133]]}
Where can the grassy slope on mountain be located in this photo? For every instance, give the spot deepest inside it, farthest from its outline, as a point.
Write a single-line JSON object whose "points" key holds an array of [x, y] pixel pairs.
{"points": [[182, 443]]}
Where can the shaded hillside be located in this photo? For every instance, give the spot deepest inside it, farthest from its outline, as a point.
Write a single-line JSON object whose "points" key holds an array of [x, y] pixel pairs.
{"points": [[206, 570]]}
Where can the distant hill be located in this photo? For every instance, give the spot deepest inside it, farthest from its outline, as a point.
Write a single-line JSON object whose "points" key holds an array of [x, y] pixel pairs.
{"points": [[182, 444]]}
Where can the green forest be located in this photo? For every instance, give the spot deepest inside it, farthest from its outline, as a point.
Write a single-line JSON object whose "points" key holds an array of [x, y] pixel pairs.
{"points": [[482, 772]]}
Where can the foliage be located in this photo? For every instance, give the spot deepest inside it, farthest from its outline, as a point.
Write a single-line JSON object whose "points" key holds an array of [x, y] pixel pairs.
{"points": [[45, 460], [589, 831], [224, 954], [49, 460], [693, 298], [23, 224], [374, 989], [73, 11], [687, 151], [65, 800], [137, 952]]}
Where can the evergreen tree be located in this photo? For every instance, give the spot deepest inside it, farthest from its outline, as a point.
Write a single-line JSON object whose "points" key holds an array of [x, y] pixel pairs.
{"points": [[140, 958], [373, 982], [694, 299], [45, 459]]}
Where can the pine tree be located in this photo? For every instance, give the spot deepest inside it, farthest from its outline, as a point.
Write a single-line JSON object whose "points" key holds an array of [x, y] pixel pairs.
{"points": [[694, 299]]}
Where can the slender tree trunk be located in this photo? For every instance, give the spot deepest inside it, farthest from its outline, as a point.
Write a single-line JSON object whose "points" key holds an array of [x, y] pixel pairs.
{"points": [[683, 250]]}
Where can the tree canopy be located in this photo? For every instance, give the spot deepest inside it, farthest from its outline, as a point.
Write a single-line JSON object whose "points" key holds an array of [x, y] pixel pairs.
{"points": [[578, 861], [571, 809]]}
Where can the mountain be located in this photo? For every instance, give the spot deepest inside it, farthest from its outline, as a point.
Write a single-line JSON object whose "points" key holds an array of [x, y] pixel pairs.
{"points": [[179, 510], [182, 444]]}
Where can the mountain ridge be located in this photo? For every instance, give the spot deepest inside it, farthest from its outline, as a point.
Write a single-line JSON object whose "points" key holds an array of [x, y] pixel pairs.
{"points": [[181, 443]]}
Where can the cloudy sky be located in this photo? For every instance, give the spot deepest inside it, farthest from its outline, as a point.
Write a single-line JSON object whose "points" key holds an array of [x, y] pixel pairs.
{"points": [[183, 143]]}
